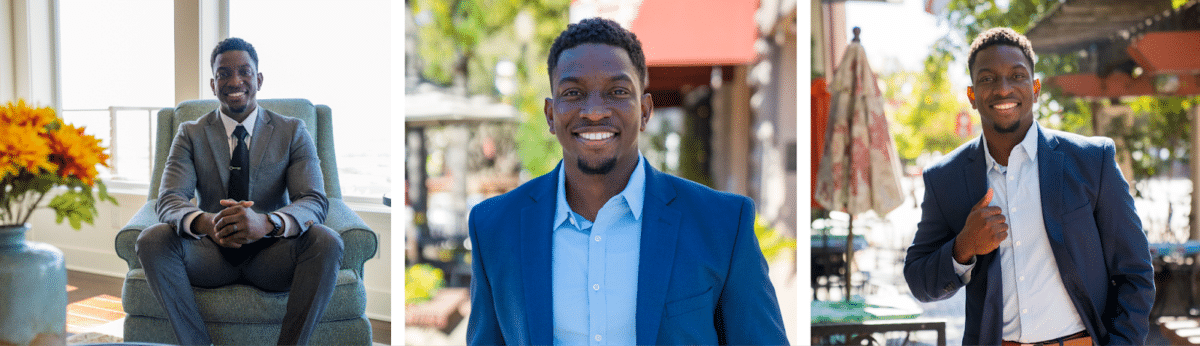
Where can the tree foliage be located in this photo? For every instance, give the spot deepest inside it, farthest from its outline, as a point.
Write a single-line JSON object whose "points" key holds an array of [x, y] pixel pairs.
{"points": [[927, 117], [461, 42]]}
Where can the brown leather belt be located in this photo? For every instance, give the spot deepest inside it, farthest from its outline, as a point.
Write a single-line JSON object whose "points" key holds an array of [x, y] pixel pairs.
{"points": [[1077, 339]]}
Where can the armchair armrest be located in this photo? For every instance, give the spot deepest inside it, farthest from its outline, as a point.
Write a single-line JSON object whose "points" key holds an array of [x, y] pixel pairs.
{"points": [[127, 237], [361, 243]]}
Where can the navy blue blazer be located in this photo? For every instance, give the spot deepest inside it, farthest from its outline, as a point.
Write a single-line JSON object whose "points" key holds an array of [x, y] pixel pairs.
{"points": [[702, 278], [1094, 231]]}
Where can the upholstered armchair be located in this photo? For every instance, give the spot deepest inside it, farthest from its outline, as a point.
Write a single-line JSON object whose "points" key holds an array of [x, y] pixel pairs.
{"points": [[241, 314]]}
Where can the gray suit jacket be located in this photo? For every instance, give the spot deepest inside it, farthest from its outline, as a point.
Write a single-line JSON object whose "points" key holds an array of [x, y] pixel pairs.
{"points": [[285, 172]]}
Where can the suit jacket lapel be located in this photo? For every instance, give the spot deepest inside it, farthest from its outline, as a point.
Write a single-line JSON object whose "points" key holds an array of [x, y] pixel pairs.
{"points": [[536, 244], [263, 129], [660, 231], [218, 143], [976, 173], [1050, 177]]}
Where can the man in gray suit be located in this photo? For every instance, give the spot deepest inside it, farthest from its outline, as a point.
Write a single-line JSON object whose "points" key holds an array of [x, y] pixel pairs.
{"points": [[260, 202]]}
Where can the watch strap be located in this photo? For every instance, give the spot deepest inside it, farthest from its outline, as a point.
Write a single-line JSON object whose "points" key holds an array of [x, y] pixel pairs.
{"points": [[277, 225]]}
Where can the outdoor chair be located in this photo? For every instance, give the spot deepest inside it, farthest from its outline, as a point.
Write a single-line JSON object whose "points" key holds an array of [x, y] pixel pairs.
{"points": [[241, 314]]}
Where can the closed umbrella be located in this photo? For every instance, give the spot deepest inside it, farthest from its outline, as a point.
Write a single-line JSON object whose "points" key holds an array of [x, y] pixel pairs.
{"points": [[859, 168]]}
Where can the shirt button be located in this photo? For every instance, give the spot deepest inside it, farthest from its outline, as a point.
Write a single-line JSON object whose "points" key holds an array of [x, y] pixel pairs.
{"points": [[597, 238], [1024, 311], [597, 337], [1011, 178], [1015, 209], [596, 287], [1022, 278]]}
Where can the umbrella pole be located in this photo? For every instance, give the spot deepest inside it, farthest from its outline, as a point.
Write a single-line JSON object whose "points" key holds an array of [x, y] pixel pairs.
{"points": [[850, 177], [849, 255]]}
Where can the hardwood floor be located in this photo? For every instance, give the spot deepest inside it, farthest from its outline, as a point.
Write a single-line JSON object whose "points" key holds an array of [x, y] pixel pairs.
{"points": [[100, 288]]}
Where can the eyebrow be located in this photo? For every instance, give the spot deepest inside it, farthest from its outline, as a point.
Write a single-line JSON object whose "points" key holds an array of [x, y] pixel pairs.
{"points": [[234, 67], [578, 80], [1014, 66]]}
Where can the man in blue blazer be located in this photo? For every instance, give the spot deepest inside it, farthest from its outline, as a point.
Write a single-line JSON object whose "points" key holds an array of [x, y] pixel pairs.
{"points": [[606, 249], [1037, 224]]}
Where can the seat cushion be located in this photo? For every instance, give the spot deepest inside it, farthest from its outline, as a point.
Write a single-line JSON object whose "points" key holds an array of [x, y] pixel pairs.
{"points": [[245, 304], [158, 330]]}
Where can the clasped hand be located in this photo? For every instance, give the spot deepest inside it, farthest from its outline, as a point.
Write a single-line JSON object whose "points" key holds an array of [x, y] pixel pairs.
{"points": [[986, 227], [236, 225]]}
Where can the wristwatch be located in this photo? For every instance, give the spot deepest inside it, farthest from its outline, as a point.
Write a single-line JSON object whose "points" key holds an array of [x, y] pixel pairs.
{"points": [[277, 225]]}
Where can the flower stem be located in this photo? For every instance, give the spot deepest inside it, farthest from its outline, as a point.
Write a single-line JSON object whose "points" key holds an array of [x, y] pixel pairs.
{"points": [[33, 207]]}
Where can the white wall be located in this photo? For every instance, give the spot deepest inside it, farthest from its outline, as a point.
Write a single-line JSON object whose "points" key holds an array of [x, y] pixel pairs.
{"points": [[92, 248]]}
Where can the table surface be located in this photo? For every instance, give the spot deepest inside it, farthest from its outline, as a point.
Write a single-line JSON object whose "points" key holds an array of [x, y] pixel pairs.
{"points": [[837, 243], [857, 310]]}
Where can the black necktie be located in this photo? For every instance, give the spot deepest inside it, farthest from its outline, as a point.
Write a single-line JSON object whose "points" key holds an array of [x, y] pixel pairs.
{"points": [[239, 167]]}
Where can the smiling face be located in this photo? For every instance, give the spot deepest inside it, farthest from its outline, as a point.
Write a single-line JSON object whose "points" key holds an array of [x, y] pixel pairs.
{"points": [[1004, 90], [235, 82], [597, 109]]}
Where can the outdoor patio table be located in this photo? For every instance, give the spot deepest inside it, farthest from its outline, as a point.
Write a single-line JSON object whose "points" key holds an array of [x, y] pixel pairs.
{"points": [[829, 258], [1174, 273], [841, 322]]}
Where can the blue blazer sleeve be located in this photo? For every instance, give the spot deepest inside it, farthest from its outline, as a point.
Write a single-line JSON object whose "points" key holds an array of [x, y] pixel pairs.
{"points": [[927, 265], [1127, 256], [747, 311]]}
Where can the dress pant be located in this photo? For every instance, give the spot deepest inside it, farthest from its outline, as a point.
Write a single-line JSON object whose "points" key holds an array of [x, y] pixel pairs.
{"points": [[306, 266]]}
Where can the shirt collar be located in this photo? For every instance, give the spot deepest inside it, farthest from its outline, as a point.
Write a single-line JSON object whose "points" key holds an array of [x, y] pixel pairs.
{"points": [[634, 193], [1029, 145], [249, 123]]}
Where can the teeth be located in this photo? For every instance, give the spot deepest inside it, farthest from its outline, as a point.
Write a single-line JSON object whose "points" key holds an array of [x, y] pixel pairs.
{"points": [[1004, 106], [237, 94], [596, 136]]}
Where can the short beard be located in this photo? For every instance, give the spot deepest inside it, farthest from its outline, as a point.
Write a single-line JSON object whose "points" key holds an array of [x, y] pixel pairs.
{"points": [[602, 169], [1010, 129]]}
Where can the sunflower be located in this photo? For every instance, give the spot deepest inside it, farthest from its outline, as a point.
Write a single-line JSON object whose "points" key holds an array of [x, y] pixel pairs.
{"points": [[76, 153], [20, 114], [22, 149]]}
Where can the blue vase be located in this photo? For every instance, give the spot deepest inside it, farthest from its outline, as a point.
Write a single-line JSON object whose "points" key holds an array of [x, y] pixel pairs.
{"points": [[33, 290]]}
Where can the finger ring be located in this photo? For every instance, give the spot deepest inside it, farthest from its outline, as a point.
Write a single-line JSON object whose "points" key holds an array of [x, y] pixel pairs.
{"points": [[235, 229]]}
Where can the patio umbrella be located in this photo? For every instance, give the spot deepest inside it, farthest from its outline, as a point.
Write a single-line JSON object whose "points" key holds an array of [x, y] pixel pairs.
{"points": [[859, 169]]}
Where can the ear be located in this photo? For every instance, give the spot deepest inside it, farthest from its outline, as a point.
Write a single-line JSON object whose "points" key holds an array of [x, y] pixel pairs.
{"points": [[1037, 86], [548, 109], [971, 96], [260, 80], [212, 83], [647, 109]]}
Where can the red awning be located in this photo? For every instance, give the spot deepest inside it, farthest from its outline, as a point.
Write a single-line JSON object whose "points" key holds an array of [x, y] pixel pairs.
{"points": [[1168, 52], [696, 32], [1119, 84]]}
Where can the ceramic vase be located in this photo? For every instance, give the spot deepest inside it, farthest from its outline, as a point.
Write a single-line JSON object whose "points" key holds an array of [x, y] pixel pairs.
{"points": [[33, 290]]}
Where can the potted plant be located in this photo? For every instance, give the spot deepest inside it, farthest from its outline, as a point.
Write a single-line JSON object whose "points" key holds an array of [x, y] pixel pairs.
{"points": [[41, 156]]}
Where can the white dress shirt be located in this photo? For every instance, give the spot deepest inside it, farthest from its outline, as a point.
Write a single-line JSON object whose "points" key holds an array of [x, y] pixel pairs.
{"points": [[1036, 304]]}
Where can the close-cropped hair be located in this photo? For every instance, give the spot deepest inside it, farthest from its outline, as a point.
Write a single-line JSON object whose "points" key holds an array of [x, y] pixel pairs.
{"points": [[1000, 36], [601, 31], [233, 43]]}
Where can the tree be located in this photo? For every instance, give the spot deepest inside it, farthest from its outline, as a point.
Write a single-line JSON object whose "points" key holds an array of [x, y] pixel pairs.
{"points": [[462, 41], [926, 120]]}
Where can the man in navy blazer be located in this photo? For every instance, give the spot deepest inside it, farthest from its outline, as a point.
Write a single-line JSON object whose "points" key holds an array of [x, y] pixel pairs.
{"points": [[606, 249], [1037, 224]]}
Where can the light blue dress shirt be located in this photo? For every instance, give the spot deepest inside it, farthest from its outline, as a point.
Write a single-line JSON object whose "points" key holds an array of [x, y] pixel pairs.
{"points": [[594, 267], [1036, 304]]}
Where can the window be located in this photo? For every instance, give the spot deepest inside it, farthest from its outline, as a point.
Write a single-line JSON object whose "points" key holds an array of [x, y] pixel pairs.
{"points": [[116, 72], [335, 53]]}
